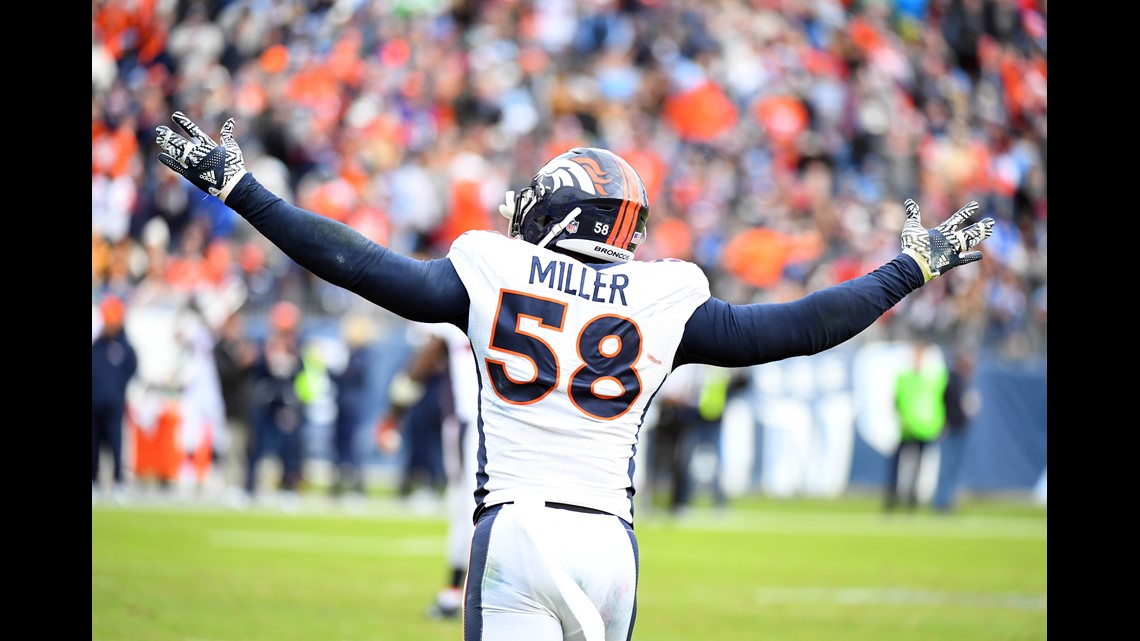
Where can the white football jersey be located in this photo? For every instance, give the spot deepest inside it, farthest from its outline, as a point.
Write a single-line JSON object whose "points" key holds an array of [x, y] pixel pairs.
{"points": [[569, 355]]}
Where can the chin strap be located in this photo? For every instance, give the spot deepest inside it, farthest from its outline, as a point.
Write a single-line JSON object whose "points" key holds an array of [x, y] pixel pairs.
{"points": [[559, 227]]}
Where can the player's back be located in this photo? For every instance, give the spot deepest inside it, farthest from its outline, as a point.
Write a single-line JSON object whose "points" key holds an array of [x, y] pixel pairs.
{"points": [[569, 355]]}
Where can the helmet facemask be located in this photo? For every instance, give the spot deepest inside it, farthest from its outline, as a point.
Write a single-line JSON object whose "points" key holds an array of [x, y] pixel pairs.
{"points": [[524, 201]]}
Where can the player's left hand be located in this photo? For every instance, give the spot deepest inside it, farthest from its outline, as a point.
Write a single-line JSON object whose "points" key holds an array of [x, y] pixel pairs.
{"points": [[213, 168], [944, 247]]}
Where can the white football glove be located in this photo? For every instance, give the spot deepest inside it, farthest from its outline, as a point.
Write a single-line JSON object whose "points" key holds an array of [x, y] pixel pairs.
{"points": [[213, 168], [943, 248]]}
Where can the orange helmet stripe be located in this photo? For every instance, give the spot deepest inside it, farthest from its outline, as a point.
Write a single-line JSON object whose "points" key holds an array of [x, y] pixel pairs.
{"points": [[620, 223], [627, 217]]}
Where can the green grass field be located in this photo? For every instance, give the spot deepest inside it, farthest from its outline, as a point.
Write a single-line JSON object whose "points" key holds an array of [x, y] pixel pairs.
{"points": [[766, 569]]}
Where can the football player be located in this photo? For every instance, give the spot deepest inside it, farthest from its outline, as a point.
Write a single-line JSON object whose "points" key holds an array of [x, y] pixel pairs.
{"points": [[572, 337], [446, 346]]}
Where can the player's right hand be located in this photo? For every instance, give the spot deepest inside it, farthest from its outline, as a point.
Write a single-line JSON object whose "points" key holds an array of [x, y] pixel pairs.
{"points": [[944, 247], [213, 168]]}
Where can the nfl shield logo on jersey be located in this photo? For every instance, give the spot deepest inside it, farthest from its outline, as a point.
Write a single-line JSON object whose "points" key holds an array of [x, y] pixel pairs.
{"points": [[572, 227]]}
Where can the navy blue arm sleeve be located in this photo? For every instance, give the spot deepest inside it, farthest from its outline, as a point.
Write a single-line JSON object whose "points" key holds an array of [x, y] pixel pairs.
{"points": [[728, 335], [421, 290]]}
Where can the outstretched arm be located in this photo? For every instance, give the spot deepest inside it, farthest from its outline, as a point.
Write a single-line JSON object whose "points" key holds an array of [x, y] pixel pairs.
{"points": [[421, 290], [743, 335]]}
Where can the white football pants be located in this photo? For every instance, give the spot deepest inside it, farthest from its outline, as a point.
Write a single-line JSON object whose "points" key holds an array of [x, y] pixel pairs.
{"points": [[550, 574]]}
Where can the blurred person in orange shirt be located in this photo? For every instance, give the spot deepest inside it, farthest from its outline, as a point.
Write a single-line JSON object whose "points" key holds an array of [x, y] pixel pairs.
{"points": [[113, 364]]}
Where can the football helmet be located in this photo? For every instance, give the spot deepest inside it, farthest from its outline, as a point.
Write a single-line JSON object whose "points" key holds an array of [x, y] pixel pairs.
{"points": [[586, 200]]}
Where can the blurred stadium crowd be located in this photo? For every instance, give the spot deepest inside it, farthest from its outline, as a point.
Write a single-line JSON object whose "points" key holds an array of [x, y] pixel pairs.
{"points": [[778, 138]]}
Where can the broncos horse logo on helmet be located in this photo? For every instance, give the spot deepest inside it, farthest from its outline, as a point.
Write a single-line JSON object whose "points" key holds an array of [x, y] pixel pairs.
{"points": [[586, 200]]}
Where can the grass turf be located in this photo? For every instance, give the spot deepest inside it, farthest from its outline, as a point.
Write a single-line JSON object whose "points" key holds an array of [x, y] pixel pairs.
{"points": [[778, 570]]}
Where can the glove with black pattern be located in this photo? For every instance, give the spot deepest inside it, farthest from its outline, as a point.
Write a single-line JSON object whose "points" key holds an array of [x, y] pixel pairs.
{"points": [[213, 168], [945, 247]]}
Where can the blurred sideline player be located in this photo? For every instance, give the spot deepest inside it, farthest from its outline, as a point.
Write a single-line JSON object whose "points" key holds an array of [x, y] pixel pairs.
{"points": [[446, 346], [572, 339], [412, 426]]}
